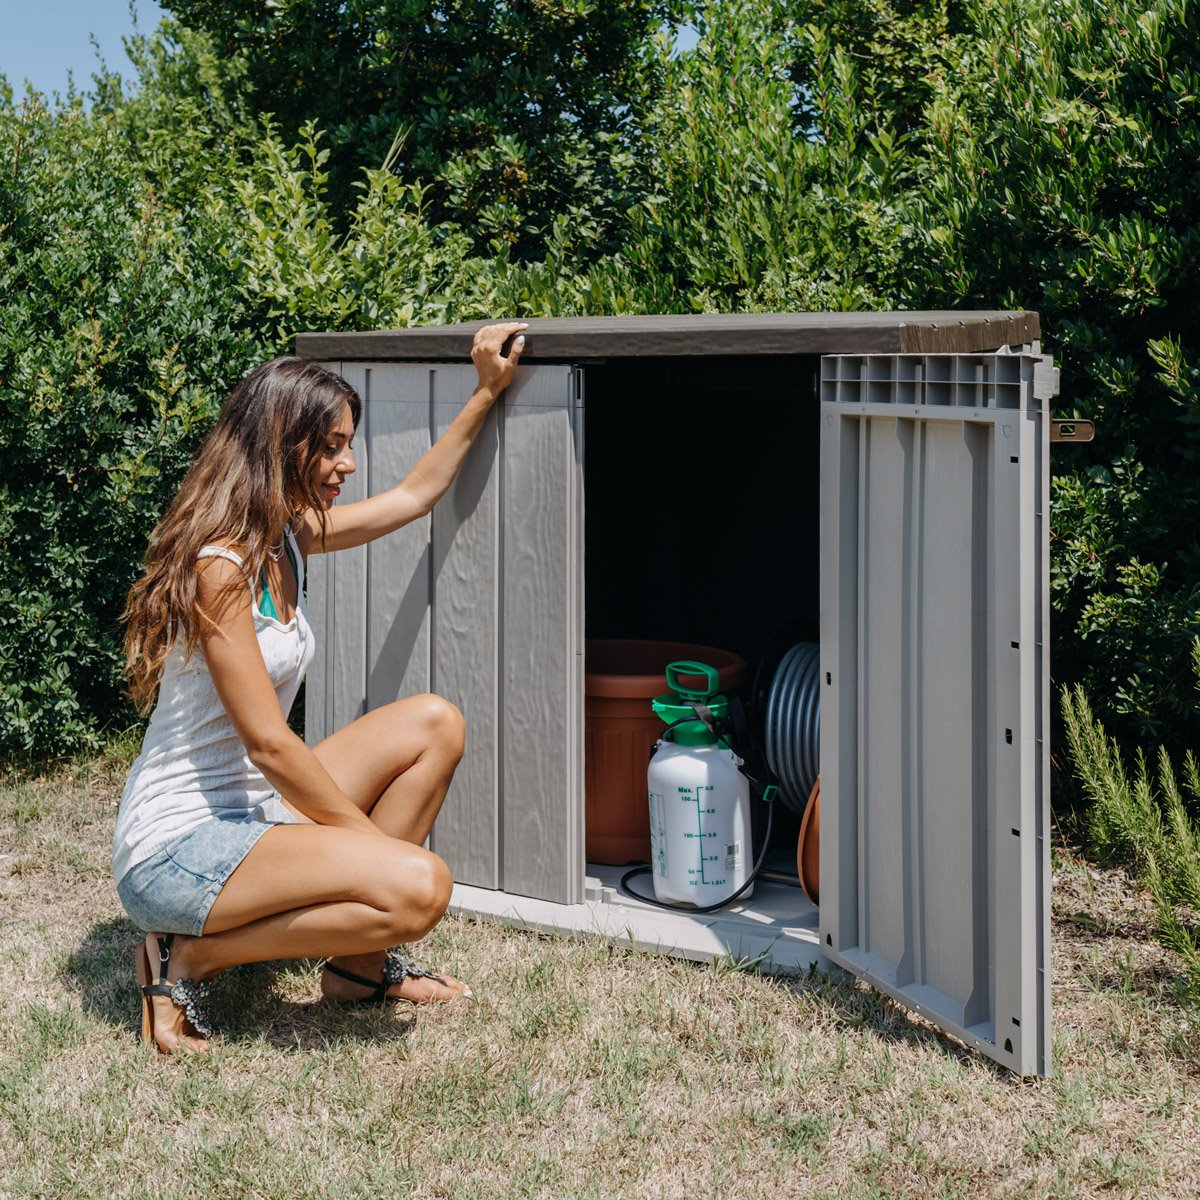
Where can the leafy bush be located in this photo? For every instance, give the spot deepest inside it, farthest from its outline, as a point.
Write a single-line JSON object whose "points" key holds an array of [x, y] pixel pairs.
{"points": [[182, 120], [1058, 169], [119, 331], [1148, 821], [745, 206], [389, 269], [806, 154]]}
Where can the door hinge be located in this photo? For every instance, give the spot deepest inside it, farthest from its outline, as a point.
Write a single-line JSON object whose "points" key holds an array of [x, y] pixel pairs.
{"points": [[1045, 378]]}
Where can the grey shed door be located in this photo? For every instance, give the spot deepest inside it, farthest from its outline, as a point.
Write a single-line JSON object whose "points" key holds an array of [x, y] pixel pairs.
{"points": [[935, 860], [481, 602]]}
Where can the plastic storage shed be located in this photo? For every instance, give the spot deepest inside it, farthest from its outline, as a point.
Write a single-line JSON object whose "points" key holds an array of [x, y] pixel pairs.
{"points": [[883, 475]]}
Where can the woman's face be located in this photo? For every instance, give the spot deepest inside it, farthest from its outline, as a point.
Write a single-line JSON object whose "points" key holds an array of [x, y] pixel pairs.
{"points": [[336, 460]]}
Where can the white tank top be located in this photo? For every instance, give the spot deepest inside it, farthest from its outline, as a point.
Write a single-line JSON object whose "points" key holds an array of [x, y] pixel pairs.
{"points": [[193, 766]]}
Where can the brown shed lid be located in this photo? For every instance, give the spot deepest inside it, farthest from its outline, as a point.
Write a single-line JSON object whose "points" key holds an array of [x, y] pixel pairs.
{"points": [[575, 339]]}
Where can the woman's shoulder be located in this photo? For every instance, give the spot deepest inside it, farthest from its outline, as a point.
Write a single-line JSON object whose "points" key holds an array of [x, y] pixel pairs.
{"points": [[225, 548], [221, 578], [220, 563]]}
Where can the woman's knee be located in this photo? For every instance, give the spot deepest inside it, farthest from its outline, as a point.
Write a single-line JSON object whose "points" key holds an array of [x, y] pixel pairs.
{"points": [[436, 884], [419, 895], [446, 725]]}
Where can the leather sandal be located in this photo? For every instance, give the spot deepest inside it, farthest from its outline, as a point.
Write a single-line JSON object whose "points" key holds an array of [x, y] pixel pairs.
{"points": [[396, 968], [183, 993]]}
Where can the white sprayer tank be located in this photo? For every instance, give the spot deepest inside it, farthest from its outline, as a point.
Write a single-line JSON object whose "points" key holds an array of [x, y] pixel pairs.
{"points": [[700, 839]]}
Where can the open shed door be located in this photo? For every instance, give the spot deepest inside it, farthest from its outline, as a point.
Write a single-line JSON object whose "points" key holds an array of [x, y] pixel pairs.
{"points": [[480, 602], [935, 859]]}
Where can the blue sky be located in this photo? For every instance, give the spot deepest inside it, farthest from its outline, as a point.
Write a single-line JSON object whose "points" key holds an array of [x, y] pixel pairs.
{"points": [[44, 39], [41, 40]]}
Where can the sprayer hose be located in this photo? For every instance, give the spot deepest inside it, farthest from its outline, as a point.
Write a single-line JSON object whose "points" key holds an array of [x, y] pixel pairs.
{"points": [[705, 908]]}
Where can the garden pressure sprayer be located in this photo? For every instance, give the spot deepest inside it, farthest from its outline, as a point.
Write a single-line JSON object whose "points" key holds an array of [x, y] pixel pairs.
{"points": [[699, 793]]}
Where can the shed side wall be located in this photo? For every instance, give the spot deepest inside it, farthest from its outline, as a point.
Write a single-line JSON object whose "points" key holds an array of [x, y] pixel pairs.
{"points": [[479, 603]]}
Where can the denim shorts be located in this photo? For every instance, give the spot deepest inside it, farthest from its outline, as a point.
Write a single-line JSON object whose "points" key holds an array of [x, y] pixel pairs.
{"points": [[173, 890]]}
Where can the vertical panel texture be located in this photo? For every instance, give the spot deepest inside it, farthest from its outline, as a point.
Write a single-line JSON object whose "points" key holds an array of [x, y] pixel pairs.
{"points": [[542, 836], [466, 635], [397, 611], [346, 594], [316, 689], [882, 895], [318, 695], [841, 865], [934, 610], [949, 669]]}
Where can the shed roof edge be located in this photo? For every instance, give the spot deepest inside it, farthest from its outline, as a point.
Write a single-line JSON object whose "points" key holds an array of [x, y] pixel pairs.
{"points": [[754, 334]]}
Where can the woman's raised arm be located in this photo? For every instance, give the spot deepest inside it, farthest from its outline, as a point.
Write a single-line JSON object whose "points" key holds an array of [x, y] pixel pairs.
{"points": [[355, 524], [236, 665]]}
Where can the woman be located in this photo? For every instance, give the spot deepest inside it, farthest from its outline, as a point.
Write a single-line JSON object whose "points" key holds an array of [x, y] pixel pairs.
{"points": [[235, 842]]}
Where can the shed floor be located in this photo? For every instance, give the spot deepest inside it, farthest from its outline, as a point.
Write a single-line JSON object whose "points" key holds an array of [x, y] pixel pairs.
{"points": [[777, 926]]}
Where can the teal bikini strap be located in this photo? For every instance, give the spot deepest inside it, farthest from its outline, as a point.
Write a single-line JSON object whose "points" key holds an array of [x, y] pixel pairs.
{"points": [[266, 605]]}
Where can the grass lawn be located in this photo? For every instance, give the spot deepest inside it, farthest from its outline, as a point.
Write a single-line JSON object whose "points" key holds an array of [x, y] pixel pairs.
{"points": [[581, 1070]]}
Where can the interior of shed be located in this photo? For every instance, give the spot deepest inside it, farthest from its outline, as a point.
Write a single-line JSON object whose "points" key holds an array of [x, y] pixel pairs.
{"points": [[701, 499]]}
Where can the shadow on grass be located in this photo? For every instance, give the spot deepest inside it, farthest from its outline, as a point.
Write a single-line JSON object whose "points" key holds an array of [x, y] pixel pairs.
{"points": [[858, 1006], [245, 1004]]}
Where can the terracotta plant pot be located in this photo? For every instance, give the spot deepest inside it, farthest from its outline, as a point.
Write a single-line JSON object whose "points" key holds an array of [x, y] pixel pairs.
{"points": [[621, 678]]}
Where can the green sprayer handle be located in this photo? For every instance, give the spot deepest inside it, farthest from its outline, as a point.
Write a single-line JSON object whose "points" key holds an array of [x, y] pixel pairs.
{"points": [[687, 667]]}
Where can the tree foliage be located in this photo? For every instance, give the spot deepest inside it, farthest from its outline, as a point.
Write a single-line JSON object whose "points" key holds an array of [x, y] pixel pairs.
{"points": [[1060, 172], [510, 111], [119, 328], [562, 157]]}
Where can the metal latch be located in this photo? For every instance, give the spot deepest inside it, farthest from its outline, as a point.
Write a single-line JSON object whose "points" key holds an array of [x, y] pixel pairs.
{"points": [[1071, 429]]}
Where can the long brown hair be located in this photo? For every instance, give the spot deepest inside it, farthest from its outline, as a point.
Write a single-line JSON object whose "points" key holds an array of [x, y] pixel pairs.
{"points": [[251, 476]]}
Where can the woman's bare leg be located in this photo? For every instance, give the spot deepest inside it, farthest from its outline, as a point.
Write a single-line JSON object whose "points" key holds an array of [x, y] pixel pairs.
{"points": [[397, 761], [396, 764], [309, 891]]}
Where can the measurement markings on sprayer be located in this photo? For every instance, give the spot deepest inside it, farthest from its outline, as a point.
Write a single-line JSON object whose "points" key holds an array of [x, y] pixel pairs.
{"points": [[692, 795]]}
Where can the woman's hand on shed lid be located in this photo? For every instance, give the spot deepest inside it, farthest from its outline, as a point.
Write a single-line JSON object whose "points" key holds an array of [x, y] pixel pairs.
{"points": [[496, 371]]}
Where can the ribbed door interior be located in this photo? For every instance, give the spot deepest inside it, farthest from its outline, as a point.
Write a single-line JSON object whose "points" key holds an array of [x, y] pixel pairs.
{"points": [[934, 609]]}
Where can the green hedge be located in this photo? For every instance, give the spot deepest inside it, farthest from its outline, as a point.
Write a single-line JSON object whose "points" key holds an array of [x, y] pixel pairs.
{"points": [[1061, 172], [807, 154], [119, 330]]}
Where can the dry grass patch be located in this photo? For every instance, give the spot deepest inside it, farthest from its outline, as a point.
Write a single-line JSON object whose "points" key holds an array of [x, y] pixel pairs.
{"points": [[582, 1070]]}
